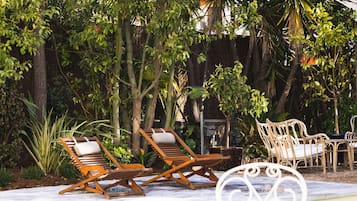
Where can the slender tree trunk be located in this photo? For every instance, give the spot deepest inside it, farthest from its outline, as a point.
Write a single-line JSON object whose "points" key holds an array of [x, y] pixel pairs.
{"points": [[40, 80], [135, 90], [150, 114], [335, 104], [249, 56], [170, 102], [227, 131], [116, 75], [125, 112], [291, 78], [137, 101]]}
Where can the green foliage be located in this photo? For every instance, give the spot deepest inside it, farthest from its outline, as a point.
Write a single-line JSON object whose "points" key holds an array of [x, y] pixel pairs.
{"points": [[245, 15], [68, 171], [253, 146], [237, 96], [146, 158], [234, 95], [188, 135], [23, 28], [12, 120], [59, 96], [5, 177], [32, 172], [347, 108], [330, 46], [118, 151]]}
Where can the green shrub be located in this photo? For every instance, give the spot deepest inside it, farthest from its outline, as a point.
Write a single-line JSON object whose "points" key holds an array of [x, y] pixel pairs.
{"points": [[68, 171], [118, 151], [12, 120], [32, 172], [5, 177]]}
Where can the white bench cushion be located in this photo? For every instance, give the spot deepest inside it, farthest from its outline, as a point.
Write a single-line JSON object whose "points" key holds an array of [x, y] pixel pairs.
{"points": [[302, 150]]}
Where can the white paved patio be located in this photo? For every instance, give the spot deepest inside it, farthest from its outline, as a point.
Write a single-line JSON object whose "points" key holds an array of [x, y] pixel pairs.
{"points": [[169, 191]]}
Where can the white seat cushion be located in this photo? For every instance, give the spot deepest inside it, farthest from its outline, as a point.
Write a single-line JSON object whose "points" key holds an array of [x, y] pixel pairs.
{"points": [[354, 144], [85, 148], [302, 150], [163, 138]]}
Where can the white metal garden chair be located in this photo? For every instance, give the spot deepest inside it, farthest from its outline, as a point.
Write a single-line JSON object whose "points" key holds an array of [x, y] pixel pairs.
{"points": [[351, 136], [281, 183], [295, 147]]}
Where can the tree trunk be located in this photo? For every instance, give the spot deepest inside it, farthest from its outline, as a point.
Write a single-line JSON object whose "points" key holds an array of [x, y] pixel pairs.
{"points": [[116, 75], [249, 57], [335, 104], [40, 80], [291, 78], [150, 114], [227, 130], [125, 109], [135, 91], [170, 102], [136, 124]]}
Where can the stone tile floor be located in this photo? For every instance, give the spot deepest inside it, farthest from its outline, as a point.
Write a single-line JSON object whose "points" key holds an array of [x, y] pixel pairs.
{"points": [[170, 191]]}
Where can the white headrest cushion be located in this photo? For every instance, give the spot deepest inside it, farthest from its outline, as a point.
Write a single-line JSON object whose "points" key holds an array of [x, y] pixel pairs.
{"points": [[163, 138], [84, 148]]}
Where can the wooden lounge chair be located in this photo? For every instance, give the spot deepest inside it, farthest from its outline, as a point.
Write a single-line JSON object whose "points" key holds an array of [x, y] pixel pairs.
{"points": [[182, 161], [87, 156]]}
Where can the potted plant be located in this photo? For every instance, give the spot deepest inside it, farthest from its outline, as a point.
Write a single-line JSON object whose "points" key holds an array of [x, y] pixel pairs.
{"points": [[235, 96]]}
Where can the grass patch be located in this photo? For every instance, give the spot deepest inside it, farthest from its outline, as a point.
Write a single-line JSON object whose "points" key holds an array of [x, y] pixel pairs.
{"points": [[5, 177], [32, 172]]}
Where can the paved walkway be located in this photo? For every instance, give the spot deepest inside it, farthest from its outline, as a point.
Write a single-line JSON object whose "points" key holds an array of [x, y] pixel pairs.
{"points": [[175, 192]]}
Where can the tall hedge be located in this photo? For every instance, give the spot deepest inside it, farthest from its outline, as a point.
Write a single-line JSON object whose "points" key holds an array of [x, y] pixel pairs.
{"points": [[12, 119]]}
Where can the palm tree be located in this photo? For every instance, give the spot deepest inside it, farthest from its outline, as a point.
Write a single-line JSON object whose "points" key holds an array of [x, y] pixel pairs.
{"points": [[295, 14]]}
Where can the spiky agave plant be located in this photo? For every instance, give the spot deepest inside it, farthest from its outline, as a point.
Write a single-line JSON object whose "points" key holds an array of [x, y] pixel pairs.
{"points": [[41, 138]]}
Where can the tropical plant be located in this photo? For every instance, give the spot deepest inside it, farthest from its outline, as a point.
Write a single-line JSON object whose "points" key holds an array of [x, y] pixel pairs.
{"points": [[295, 16], [42, 137], [42, 141], [237, 97]]}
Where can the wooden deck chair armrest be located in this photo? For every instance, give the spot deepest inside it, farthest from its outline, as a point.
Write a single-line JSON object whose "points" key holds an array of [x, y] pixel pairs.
{"points": [[212, 156], [87, 169], [133, 165]]}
